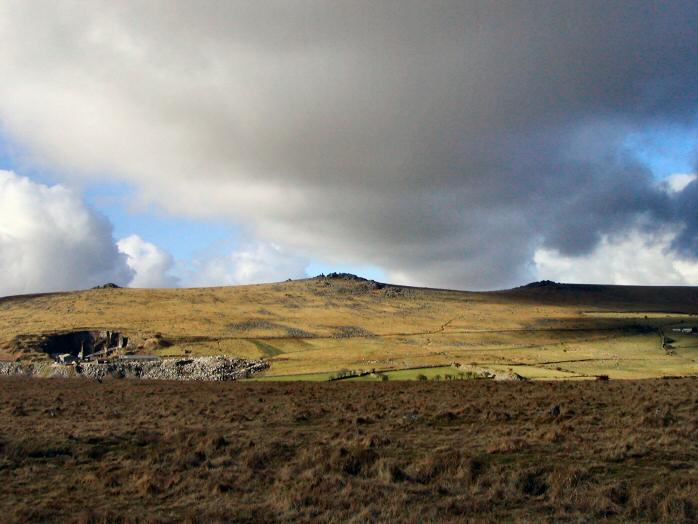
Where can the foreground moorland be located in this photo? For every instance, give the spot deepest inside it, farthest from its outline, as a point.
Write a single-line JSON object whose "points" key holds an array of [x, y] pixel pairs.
{"points": [[128, 451], [317, 328]]}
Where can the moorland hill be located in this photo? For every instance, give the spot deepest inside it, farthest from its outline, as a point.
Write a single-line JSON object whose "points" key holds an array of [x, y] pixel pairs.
{"points": [[317, 327]]}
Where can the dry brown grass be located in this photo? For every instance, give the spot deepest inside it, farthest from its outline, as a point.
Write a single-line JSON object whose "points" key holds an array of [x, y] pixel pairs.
{"points": [[127, 451]]}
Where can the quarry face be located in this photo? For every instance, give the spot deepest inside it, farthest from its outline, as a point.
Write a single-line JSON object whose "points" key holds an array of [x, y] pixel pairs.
{"points": [[78, 344], [93, 354]]}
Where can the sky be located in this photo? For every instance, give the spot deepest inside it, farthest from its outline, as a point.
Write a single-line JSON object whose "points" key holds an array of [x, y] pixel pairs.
{"points": [[467, 145]]}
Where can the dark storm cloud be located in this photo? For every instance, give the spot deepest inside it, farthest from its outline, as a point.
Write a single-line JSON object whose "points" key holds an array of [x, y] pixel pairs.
{"points": [[442, 141], [686, 242]]}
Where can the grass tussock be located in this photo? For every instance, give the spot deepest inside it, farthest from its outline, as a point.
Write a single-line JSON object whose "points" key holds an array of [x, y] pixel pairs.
{"points": [[348, 452]]}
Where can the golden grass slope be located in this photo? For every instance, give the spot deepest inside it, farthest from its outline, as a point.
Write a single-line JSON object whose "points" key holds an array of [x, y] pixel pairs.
{"points": [[323, 325]]}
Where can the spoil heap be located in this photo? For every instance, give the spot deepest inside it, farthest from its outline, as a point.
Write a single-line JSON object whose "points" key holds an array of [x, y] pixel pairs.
{"points": [[218, 368]]}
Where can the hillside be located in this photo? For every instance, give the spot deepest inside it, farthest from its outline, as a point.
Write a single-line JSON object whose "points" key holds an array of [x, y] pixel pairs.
{"points": [[317, 327], [632, 298]]}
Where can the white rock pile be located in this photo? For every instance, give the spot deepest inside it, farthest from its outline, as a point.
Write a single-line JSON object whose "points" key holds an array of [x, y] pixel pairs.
{"points": [[218, 368], [12, 368]]}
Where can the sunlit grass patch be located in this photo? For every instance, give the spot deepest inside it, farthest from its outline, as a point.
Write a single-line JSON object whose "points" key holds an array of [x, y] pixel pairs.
{"points": [[306, 377]]}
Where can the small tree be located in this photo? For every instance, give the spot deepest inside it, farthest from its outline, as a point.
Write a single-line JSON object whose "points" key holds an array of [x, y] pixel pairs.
{"points": [[421, 377]]}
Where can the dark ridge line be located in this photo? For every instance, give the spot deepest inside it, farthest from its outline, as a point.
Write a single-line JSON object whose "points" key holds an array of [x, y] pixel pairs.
{"points": [[542, 284]]}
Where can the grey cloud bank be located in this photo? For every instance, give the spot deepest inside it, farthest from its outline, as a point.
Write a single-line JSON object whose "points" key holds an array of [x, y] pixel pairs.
{"points": [[445, 142]]}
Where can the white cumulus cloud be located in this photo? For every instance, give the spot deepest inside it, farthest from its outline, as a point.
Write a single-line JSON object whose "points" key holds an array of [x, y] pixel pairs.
{"points": [[252, 263], [677, 182], [633, 259], [50, 240], [151, 264]]}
